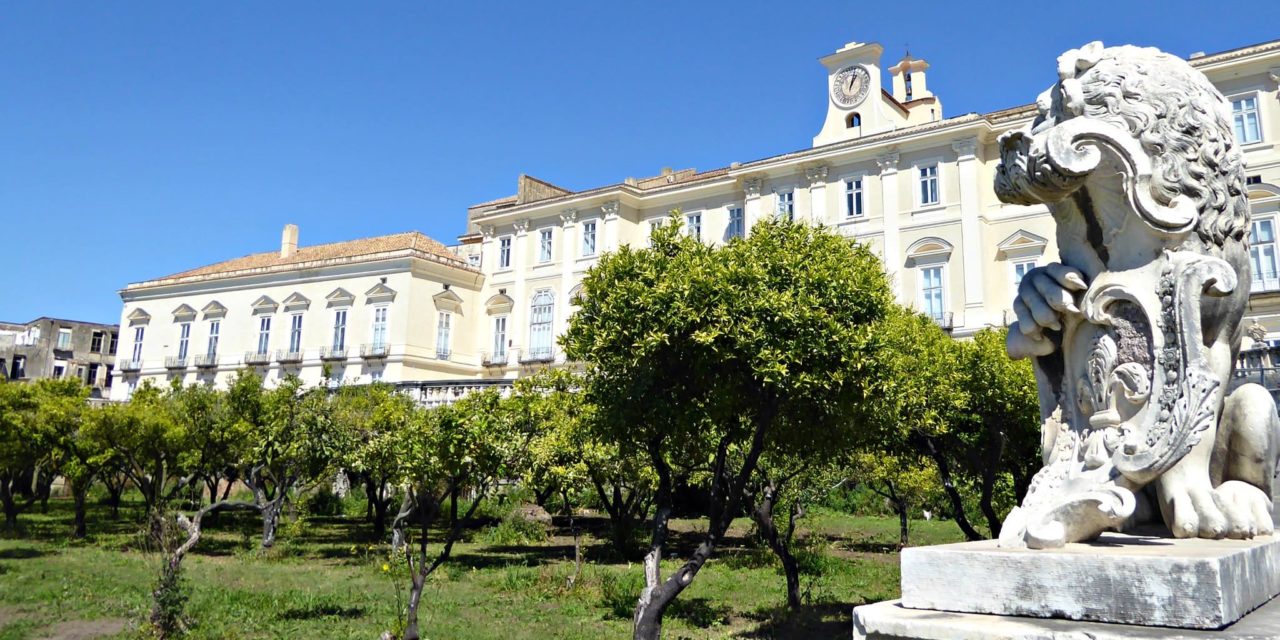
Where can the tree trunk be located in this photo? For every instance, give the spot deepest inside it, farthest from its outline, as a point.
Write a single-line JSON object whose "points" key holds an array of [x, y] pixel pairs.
{"points": [[44, 485], [370, 500], [949, 487], [270, 518], [114, 490], [984, 503], [651, 604], [762, 514], [80, 494], [900, 505], [380, 517]]}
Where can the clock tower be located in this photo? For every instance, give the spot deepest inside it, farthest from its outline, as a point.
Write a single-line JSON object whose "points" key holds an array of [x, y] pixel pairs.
{"points": [[857, 104]]}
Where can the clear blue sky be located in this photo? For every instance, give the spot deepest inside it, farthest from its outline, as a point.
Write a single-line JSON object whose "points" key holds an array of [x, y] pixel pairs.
{"points": [[139, 139]]}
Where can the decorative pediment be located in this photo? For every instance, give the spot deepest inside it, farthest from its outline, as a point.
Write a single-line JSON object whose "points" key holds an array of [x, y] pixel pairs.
{"points": [[138, 316], [929, 251], [184, 313], [265, 304], [1022, 244], [296, 302], [500, 304], [380, 293], [1262, 191], [340, 298], [575, 296], [213, 310], [447, 300]]}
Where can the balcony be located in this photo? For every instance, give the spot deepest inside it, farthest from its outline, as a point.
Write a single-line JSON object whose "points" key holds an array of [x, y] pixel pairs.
{"points": [[374, 351], [207, 361], [288, 357], [330, 354], [443, 354], [175, 362], [498, 359], [946, 320], [536, 356], [253, 358], [129, 365]]}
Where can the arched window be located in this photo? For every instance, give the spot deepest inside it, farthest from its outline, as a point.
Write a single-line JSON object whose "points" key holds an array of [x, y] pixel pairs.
{"points": [[854, 120], [540, 315]]}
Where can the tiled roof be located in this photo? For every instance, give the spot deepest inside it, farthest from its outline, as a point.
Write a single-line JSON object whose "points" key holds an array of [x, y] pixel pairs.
{"points": [[351, 250]]}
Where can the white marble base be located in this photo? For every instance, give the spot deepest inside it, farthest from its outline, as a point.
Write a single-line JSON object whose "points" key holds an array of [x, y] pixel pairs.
{"points": [[1118, 578], [891, 621]]}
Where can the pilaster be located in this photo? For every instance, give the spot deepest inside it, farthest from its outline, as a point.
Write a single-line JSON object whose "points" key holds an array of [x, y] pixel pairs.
{"points": [[816, 178], [609, 223], [970, 231], [889, 210], [569, 250], [751, 187], [518, 321]]}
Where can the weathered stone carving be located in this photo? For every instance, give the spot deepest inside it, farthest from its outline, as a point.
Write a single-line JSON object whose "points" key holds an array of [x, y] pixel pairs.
{"points": [[1135, 333]]}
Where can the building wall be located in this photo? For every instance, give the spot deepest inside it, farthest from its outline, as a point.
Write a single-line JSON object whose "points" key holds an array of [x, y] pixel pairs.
{"points": [[45, 355]]}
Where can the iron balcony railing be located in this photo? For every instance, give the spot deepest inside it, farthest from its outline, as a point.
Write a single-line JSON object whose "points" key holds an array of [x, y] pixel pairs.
{"points": [[285, 356], [946, 320], [533, 356], [498, 359], [255, 358], [374, 351], [129, 365], [333, 353], [443, 354], [175, 362], [207, 361]]}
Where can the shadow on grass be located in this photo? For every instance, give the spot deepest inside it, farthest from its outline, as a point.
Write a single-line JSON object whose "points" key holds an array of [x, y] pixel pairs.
{"points": [[322, 611], [826, 620], [21, 553]]}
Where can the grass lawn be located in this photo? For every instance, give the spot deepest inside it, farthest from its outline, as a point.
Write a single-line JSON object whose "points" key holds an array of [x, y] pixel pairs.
{"points": [[326, 579]]}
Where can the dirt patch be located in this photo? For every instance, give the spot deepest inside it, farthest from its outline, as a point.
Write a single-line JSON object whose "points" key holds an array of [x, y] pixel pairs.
{"points": [[12, 614], [85, 629]]}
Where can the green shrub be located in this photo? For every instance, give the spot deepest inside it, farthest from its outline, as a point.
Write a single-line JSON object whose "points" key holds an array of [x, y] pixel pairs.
{"points": [[619, 592], [512, 531], [323, 502]]}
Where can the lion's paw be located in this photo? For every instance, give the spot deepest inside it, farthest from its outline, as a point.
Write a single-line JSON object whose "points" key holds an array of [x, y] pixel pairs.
{"points": [[1247, 508], [1195, 511]]}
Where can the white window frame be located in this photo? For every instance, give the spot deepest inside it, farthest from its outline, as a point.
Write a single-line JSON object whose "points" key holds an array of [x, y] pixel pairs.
{"points": [[444, 330], [184, 339], [785, 207], [341, 319], [499, 337], [542, 331], [1257, 115], [505, 248], [942, 289], [546, 245], [211, 346], [693, 225], [264, 335], [589, 228], [854, 185], [295, 333], [1260, 281], [654, 225], [379, 325], [63, 345], [1016, 279], [139, 334], [737, 225], [920, 180]]}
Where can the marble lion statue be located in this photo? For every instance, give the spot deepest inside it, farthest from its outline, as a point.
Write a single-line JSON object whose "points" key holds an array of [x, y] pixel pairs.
{"points": [[1135, 333]]}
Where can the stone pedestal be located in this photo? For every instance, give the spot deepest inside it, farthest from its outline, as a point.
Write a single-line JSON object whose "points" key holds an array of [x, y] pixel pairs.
{"points": [[1118, 586]]}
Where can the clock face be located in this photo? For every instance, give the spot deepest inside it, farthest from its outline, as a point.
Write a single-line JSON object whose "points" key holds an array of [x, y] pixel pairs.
{"points": [[850, 85]]}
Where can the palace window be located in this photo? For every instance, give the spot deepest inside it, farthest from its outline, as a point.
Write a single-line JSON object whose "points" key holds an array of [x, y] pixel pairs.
{"points": [[264, 334], [95, 343], [380, 326], [1244, 115], [184, 338], [737, 226], [544, 245], [19, 370], [853, 197], [541, 313], [212, 349], [340, 330], [64, 339], [59, 369], [138, 334], [929, 184], [295, 333], [500, 338], [931, 292], [786, 204], [111, 348], [504, 253], [694, 222], [1020, 270], [654, 225], [1262, 251], [444, 324], [589, 238], [91, 378]]}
